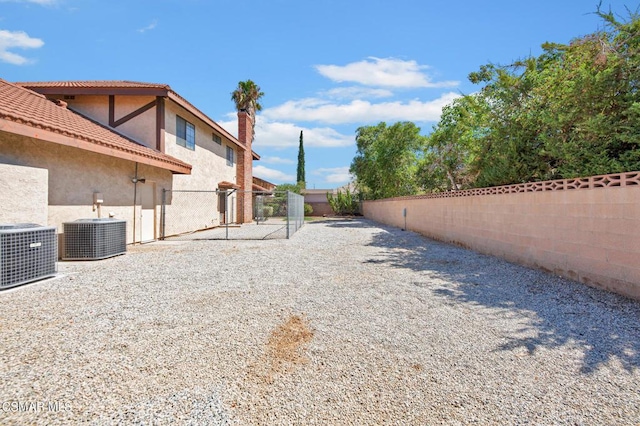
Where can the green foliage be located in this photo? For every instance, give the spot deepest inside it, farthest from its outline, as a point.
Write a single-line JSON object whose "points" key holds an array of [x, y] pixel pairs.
{"points": [[453, 148], [246, 97], [279, 199], [386, 161], [300, 171], [308, 210], [267, 211], [572, 111], [344, 203], [293, 187]]}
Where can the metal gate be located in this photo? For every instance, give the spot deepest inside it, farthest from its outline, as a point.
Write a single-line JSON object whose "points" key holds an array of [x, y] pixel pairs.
{"points": [[230, 215]]}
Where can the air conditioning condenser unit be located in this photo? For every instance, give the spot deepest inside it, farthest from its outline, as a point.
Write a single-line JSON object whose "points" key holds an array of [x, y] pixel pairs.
{"points": [[28, 252], [94, 239]]}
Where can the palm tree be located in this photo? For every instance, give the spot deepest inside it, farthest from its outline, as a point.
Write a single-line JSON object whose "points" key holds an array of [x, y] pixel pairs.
{"points": [[246, 97]]}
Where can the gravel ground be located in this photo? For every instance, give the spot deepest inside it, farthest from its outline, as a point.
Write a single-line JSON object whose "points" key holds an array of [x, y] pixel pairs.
{"points": [[348, 322]]}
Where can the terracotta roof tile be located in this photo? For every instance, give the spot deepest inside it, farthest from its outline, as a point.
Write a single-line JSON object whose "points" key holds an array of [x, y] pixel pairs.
{"points": [[24, 106], [94, 84]]}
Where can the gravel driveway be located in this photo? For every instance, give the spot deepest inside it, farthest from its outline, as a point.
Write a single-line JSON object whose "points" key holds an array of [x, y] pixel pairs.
{"points": [[348, 322]]}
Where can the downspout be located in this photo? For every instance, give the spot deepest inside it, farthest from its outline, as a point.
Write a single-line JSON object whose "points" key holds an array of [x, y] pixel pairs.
{"points": [[135, 196]]}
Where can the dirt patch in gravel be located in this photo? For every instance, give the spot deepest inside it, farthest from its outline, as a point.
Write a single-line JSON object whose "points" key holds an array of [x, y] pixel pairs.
{"points": [[285, 350], [287, 343]]}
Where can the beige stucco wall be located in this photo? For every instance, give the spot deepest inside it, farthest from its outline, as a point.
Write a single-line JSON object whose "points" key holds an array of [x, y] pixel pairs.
{"points": [[209, 167], [589, 235], [75, 175], [208, 160], [141, 128], [23, 193], [95, 107]]}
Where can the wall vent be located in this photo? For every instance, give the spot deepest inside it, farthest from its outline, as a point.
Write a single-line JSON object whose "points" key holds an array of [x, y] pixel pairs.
{"points": [[93, 239], [28, 252]]}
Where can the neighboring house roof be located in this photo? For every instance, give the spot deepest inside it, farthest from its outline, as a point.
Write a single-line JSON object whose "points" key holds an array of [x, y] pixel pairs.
{"points": [[123, 87], [30, 114], [262, 185], [227, 185], [317, 191]]}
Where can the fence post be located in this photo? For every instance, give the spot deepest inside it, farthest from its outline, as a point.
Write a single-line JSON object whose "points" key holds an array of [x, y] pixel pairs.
{"points": [[288, 213], [226, 213], [163, 213]]}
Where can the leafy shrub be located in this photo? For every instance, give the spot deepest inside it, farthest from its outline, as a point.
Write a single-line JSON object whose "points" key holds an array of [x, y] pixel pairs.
{"points": [[267, 211], [308, 210], [344, 203]]}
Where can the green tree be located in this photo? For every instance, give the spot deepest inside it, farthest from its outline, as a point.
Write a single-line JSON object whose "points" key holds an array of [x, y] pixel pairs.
{"points": [[280, 197], [344, 203], [451, 154], [292, 187], [246, 98], [572, 111], [592, 114], [300, 172], [386, 161]]}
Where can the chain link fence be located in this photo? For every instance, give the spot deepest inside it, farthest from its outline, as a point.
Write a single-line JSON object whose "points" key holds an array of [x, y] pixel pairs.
{"points": [[221, 215]]}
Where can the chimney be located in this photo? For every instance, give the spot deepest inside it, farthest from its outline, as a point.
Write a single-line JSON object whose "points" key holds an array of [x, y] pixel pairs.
{"points": [[244, 168]]}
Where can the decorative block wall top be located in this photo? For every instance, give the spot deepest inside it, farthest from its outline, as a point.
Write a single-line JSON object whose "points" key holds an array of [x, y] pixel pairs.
{"points": [[602, 181]]}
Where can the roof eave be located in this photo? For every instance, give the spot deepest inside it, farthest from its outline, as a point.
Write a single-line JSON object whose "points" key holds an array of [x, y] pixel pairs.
{"points": [[202, 116], [63, 90], [50, 136]]}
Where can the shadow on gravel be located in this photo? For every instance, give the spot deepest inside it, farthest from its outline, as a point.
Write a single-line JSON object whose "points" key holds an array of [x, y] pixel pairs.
{"points": [[559, 311], [345, 222]]}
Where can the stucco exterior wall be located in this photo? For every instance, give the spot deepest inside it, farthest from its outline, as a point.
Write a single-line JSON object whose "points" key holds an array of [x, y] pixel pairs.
{"points": [[142, 128], [93, 106], [589, 235], [209, 168], [75, 175], [23, 193], [208, 160]]}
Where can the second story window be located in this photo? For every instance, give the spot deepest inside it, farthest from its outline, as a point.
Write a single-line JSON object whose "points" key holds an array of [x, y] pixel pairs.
{"points": [[185, 133], [230, 156], [217, 139]]}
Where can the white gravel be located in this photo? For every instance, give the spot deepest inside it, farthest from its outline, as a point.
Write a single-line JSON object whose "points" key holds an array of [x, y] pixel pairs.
{"points": [[348, 322]]}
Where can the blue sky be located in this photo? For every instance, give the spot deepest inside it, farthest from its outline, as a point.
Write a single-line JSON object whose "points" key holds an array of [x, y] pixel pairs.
{"points": [[327, 67]]}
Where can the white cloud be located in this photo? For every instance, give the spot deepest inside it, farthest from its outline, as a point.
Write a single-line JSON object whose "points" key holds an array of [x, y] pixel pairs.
{"points": [[356, 92], [378, 72], [276, 160], [334, 174], [358, 111], [16, 40], [272, 175], [149, 27], [281, 134]]}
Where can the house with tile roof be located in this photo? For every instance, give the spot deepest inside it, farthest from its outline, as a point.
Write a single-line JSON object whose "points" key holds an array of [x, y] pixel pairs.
{"points": [[126, 143]]}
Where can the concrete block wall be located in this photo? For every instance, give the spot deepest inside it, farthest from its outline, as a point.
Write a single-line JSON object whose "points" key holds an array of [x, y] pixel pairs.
{"points": [[589, 231]]}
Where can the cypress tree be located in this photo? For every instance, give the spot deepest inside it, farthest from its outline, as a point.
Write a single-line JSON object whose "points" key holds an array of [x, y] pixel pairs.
{"points": [[301, 178]]}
